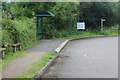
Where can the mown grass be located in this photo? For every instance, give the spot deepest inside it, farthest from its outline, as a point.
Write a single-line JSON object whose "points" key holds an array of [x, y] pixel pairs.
{"points": [[0, 65], [87, 33], [83, 34], [11, 56], [37, 66]]}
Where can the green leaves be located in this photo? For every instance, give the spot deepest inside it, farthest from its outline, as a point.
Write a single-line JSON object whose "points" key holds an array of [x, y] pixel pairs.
{"points": [[67, 14], [92, 13], [19, 31]]}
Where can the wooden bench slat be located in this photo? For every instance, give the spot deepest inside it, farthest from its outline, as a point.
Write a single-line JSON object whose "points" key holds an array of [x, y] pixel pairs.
{"points": [[7, 44], [16, 44], [2, 49]]}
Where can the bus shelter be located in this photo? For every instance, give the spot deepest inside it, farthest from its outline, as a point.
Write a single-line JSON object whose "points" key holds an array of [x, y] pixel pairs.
{"points": [[39, 23]]}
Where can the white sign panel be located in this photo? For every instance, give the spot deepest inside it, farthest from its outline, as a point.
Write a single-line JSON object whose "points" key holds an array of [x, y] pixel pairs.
{"points": [[80, 25]]}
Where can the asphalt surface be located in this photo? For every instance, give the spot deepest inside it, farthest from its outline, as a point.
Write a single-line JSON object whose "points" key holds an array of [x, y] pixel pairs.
{"points": [[22, 64], [87, 58], [46, 45]]}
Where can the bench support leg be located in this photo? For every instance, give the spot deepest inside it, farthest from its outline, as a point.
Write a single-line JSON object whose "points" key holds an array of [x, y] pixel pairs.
{"points": [[3, 54], [19, 47], [14, 49]]}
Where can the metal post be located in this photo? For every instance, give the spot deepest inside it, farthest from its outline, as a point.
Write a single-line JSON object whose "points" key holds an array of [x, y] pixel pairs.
{"points": [[41, 28], [37, 25]]}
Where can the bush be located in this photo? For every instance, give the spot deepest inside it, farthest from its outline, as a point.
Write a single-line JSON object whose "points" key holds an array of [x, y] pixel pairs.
{"points": [[111, 31], [18, 31]]}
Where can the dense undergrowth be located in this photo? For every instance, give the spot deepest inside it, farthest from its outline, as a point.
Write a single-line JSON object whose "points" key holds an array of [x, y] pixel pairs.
{"points": [[18, 31], [66, 34]]}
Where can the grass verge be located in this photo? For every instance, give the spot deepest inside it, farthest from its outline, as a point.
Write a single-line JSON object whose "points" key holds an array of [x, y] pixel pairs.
{"points": [[37, 66], [84, 33]]}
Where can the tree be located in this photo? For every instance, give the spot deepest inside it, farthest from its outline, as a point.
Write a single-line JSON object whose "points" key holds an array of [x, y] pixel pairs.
{"points": [[92, 13], [28, 9]]}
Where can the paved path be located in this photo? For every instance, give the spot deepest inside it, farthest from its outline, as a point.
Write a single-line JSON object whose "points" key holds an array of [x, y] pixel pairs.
{"points": [[22, 64], [87, 58], [46, 46]]}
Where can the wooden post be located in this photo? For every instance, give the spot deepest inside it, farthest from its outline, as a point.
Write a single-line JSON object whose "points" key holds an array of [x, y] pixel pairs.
{"points": [[14, 49], [19, 46], [2, 52]]}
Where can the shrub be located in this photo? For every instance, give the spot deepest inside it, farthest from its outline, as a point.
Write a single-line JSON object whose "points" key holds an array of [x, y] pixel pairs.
{"points": [[18, 31]]}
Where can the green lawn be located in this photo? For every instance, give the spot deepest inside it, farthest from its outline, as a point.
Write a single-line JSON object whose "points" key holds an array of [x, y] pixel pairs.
{"points": [[84, 33]]}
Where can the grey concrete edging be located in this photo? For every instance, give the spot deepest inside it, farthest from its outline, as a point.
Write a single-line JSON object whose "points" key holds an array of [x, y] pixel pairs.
{"points": [[92, 37], [58, 50]]}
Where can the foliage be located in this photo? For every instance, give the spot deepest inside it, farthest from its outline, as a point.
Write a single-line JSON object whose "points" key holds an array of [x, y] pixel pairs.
{"points": [[19, 31], [62, 25], [92, 13], [107, 31], [111, 31], [67, 16], [28, 9], [64, 20]]}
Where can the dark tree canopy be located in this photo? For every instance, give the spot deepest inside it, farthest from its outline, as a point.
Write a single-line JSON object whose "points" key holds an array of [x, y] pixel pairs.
{"points": [[67, 14]]}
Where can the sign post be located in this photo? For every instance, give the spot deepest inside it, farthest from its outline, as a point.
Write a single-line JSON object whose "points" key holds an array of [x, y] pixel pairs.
{"points": [[102, 20]]}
